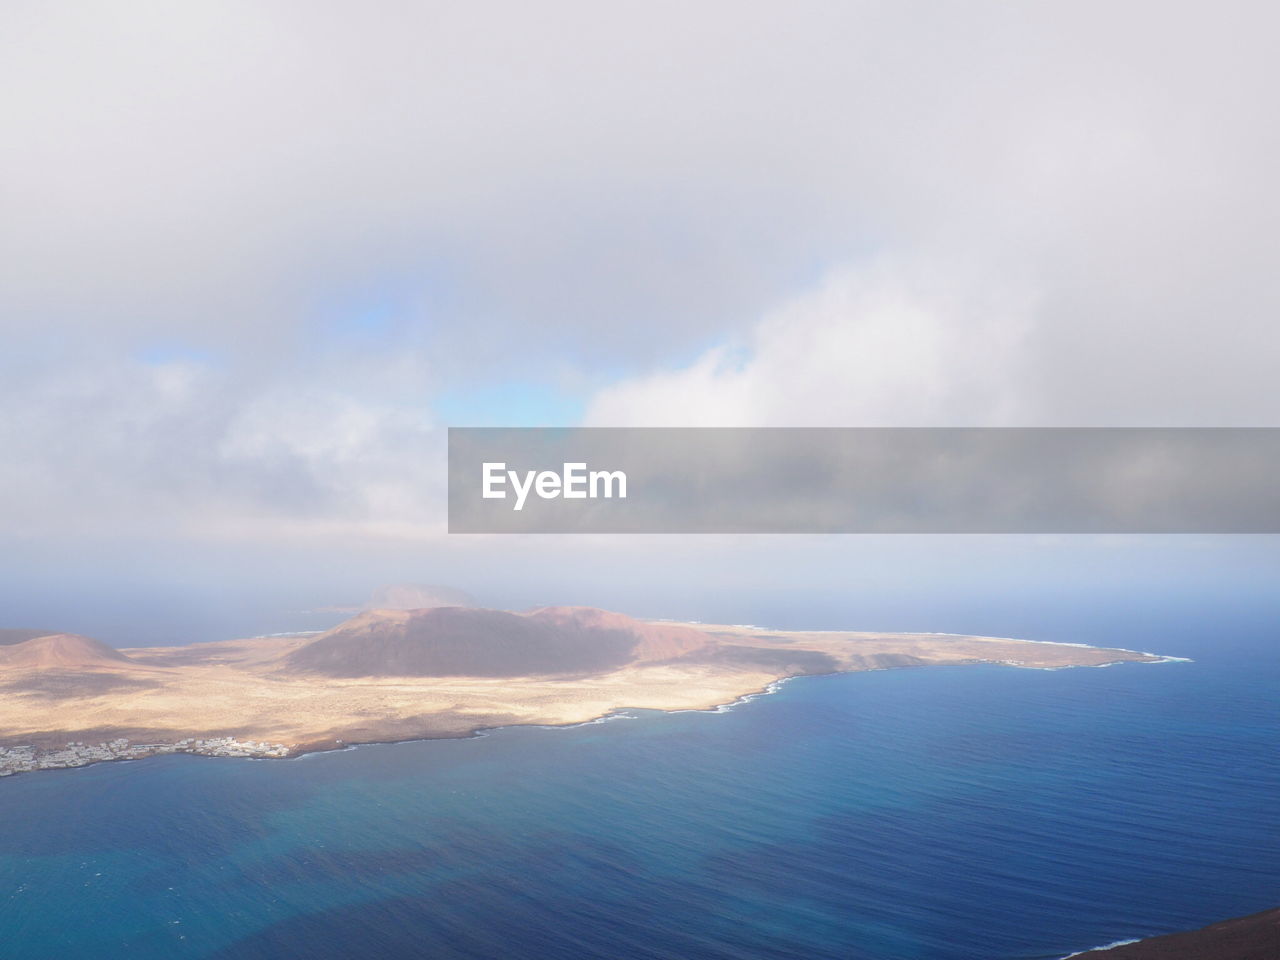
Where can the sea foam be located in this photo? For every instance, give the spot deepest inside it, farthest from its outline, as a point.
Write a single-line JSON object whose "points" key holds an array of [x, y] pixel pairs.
{"points": [[1105, 946]]}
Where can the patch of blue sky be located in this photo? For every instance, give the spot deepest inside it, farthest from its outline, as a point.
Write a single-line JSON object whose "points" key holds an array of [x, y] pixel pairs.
{"points": [[388, 306], [510, 404]]}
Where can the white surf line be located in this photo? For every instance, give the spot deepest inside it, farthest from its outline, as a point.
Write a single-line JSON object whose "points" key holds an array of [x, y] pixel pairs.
{"points": [[772, 687], [621, 714], [1105, 946]]}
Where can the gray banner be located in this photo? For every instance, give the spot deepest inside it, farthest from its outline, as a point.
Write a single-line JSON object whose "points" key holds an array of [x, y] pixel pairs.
{"points": [[864, 480]]}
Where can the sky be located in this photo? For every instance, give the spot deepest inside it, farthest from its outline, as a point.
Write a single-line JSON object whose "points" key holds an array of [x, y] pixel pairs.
{"points": [[254, 258]]}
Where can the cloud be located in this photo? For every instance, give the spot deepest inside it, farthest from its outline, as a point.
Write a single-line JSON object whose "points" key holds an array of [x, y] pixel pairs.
{"points": [[246, 247], [879, 345], [179, 449], [610, 186]]}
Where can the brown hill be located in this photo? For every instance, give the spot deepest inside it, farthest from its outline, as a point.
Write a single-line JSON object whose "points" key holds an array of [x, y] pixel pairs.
{"points": [[61, 650], [10, 635], [457, 641], [1255, 937], [654, 641]]}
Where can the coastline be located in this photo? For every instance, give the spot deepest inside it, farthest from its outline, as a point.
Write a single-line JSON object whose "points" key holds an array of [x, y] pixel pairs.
{"points": [[1102, 949], [258, 749]]}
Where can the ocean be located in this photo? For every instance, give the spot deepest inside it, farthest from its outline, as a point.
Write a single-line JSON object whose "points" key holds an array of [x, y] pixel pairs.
{"points": [[960, 813]]}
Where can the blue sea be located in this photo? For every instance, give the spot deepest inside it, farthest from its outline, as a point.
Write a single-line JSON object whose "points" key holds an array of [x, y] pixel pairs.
{"points": [[961, 813]]}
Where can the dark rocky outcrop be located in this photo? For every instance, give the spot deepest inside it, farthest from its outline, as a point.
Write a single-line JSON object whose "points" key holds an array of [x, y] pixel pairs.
{"points": [[1255, 937]]}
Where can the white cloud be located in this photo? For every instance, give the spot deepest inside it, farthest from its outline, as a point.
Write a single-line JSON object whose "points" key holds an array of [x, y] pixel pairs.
{"points": [[140, 449], [876, 345], [1048, 213]]}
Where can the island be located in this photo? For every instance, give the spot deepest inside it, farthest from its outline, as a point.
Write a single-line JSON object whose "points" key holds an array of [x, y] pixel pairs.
{"points": [[444, 671]]}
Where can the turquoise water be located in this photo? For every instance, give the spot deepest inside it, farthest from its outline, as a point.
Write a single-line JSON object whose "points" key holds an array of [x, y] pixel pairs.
{"points": [[928, 814]]}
